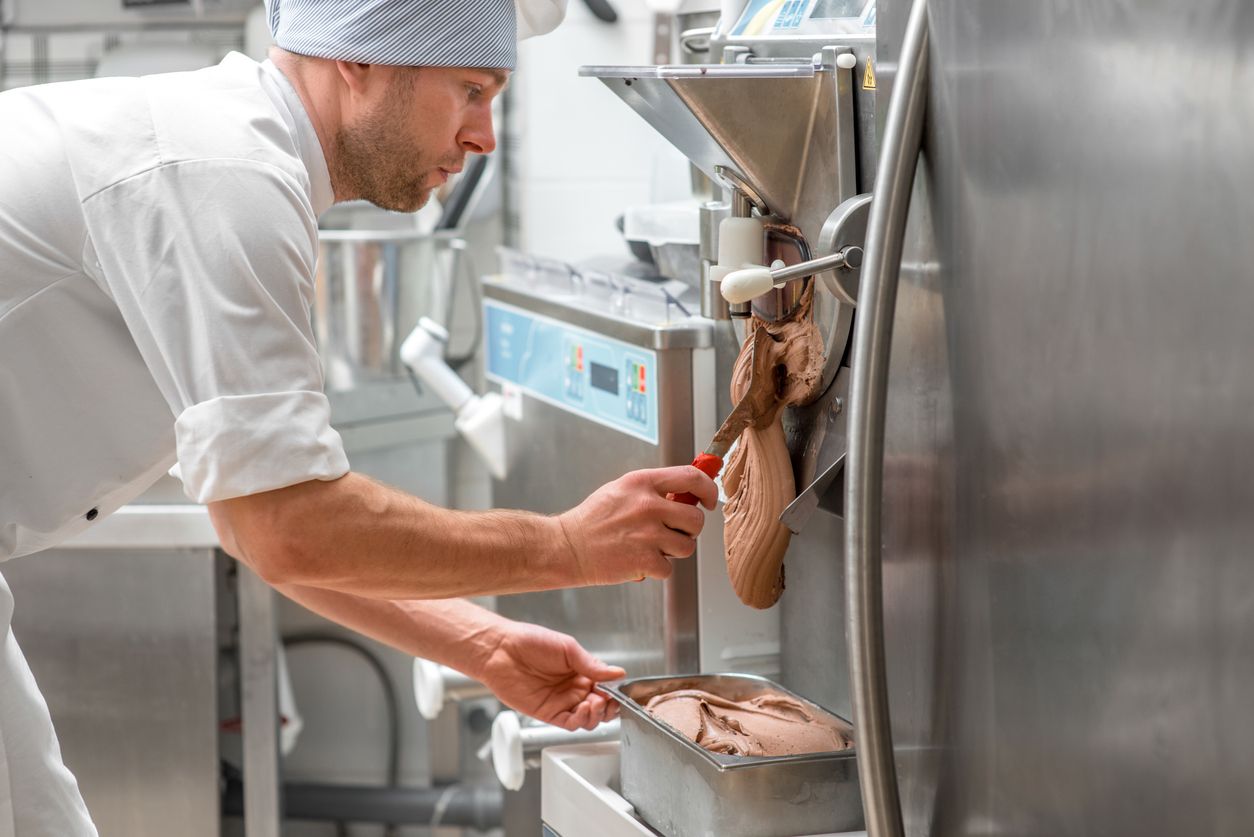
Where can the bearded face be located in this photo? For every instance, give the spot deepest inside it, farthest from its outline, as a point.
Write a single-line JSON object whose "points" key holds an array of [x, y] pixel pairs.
{"points": [[389, 161]]}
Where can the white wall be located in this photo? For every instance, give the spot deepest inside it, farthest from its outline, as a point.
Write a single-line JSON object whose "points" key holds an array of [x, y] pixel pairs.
{"points": [[582, 155]]}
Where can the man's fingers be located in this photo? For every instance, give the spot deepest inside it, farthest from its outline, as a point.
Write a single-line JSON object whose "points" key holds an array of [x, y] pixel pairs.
{"points": [[659, 568], [681, 478], [682, 518], [676, 544], [596, 706], [589, 666], [580, 716]]}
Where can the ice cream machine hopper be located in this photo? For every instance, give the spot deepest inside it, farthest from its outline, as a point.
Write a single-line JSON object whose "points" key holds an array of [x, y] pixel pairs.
{"points": [[782, 132]]}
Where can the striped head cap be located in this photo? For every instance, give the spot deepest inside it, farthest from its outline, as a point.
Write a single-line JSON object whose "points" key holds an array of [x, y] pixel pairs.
{"points": [[412, 33]]}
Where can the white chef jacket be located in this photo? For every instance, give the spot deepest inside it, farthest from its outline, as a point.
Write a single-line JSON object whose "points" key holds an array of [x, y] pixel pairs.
{"points": [[158, 239]]}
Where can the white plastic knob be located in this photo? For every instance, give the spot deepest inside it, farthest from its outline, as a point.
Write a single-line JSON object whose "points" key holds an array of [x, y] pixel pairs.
{"points": [[743, 285], [507, 750], [846, 60], [428, 688]]}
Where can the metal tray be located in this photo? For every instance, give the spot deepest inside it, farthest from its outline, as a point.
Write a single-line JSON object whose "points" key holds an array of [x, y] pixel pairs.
{"points": [[683, 790]]}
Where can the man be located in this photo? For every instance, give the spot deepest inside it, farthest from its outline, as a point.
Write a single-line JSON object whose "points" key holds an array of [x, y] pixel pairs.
{"points": [[157, 248]]}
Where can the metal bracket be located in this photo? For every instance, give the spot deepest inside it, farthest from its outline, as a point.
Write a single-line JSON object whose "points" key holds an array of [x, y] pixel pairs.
{"points": [[825, 491], [845, 227], [731, 179]]}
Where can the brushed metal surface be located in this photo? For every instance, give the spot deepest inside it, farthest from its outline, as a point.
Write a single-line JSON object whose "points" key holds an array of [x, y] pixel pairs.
{"points": [[372, 286], [259, 705], [123, 647], [786, 129], [1069, 622], [694, 333]]}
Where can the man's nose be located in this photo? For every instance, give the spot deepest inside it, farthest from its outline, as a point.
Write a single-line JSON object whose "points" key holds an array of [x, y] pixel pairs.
{"points": [[478, 136]]}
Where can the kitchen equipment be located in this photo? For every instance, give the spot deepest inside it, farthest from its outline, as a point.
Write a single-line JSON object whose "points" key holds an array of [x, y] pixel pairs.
{"points": [[378, 274], [592, 360], [601, 373], [479, 417], [372, 287], [517, 741], [582, 795], [1049, 555], [783, 119], [683, 790]]}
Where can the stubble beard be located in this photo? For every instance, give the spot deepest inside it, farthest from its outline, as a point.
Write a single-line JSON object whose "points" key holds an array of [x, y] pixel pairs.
{"points": [[375, 163]]}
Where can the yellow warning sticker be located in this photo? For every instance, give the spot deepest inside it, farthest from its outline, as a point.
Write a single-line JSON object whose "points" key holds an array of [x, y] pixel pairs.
{"points": [[868, 78]]}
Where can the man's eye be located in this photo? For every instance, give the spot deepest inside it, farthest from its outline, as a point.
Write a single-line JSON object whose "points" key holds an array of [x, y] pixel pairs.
{"points": [[473, 91]]}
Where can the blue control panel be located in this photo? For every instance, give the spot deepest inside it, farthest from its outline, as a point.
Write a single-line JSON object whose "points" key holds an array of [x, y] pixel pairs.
{"points": [[600, 378]]}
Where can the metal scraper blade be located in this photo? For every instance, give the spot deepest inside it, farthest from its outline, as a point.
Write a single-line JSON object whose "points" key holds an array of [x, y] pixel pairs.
{"points": [[800, 510]]}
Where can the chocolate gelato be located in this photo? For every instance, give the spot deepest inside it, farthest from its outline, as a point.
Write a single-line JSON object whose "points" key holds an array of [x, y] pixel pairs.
{"points": [[758, 476], [768, 725]]}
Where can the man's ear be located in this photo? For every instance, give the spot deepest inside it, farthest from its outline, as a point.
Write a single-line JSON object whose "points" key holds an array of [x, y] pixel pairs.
{"points": [[357, 77]]}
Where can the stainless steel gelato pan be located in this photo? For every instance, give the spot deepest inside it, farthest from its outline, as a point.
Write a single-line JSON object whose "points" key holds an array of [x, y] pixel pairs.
{"points": [[683, 790]]}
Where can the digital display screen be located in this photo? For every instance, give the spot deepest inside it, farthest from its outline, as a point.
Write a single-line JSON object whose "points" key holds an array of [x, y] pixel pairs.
{"points": [[604, 378]]}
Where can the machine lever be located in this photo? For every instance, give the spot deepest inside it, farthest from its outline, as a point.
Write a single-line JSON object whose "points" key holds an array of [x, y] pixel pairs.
{"points": [[748, 283]]}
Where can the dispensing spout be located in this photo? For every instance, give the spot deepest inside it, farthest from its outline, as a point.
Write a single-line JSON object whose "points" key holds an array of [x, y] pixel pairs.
{"points": [[479, 418]]}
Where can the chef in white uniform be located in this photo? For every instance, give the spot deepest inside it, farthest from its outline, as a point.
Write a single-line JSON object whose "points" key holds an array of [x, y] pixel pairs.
{"points": [[158, 239]]}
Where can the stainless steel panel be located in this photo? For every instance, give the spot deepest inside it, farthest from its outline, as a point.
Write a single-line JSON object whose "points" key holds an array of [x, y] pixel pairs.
{"points": [[813, 657], [1067, 588], [684, 333], [372, 286], [259, 704], [123, 647], [863, 47]]}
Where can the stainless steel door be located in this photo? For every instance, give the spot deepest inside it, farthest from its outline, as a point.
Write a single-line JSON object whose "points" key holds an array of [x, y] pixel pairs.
{"points": [[1068, 536]]}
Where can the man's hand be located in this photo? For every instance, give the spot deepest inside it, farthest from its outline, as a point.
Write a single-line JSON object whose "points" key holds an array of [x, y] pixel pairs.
{"points": [[628, 530], [539, 672], [549, 676]]}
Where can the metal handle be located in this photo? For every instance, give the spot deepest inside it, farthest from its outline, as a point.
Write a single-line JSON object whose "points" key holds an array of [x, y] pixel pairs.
{"points": [[741, 286], [903, 130]]}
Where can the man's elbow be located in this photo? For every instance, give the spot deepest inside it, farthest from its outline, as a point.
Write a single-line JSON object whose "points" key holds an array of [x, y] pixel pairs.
{"points": [[263, 539], [280, 558]]}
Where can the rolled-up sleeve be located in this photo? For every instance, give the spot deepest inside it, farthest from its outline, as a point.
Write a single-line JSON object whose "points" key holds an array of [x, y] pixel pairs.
{"points": [[212, 264]]}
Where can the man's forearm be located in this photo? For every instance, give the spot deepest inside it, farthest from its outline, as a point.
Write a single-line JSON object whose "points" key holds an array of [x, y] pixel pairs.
{"points": [[452, 632], [357, 536]]}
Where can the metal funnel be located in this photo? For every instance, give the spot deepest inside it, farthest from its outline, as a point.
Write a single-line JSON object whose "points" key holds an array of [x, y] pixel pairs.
{"points": [[786, 130]]}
